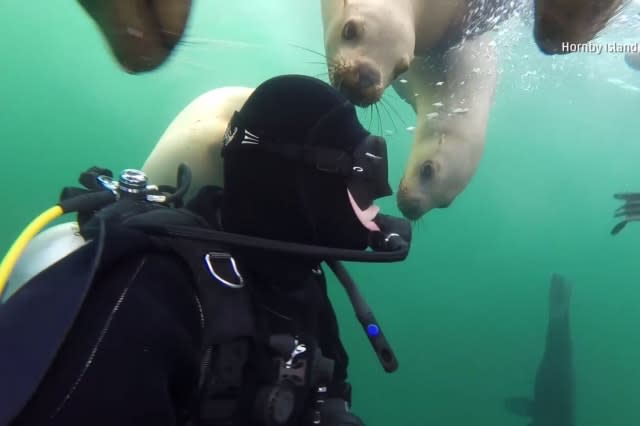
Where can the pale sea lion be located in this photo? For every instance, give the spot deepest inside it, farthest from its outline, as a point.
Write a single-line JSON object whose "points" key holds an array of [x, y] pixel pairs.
{"points": [[195, 137], [452, 97], [140, 33], [370, 43]]}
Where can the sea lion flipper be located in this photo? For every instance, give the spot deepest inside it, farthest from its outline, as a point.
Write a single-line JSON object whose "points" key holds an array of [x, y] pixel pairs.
{"points": [[627, 196], [520, 406], [616, 229]]}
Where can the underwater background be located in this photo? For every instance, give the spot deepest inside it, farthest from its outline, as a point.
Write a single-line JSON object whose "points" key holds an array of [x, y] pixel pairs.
{"points": [[466, 312]]}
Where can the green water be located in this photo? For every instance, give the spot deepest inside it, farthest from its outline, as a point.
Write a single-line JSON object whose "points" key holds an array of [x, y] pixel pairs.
{"points": [[466, 311]]}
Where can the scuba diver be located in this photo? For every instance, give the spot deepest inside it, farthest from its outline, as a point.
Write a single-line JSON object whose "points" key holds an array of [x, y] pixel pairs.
{"points": [[629, 211], [213, 312]]}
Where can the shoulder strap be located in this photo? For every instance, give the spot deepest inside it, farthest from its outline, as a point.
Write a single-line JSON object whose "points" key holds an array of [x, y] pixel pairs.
{"points": [[228, 328]]}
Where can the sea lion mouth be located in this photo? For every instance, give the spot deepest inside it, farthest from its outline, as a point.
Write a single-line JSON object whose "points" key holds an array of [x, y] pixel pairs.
{"points": [[549, 33], [412, 206], [361, 83], [410, 209], [142, 34]]}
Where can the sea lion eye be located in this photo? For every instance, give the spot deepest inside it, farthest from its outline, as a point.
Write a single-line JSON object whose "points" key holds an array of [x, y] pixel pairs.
{"points": [[351, 30], [426, 171]]}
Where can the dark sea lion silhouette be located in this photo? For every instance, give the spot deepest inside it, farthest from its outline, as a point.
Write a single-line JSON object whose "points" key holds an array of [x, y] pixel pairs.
{"points": [[553, 402], [141, 34]]}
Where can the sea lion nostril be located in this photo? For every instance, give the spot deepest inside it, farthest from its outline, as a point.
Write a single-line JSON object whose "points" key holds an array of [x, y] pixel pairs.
{"points": [[368, 77]]}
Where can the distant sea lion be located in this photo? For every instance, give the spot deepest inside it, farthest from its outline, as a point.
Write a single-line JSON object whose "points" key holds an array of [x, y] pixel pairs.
{"points": [[141, 33], [195, 137], [633, 60], [371, 43], [553, 402]]}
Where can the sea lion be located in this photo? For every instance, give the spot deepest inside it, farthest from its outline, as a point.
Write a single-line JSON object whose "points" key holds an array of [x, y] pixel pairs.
{"points": [[371, 43], [140, 33], [195, 137], [553, 403], [452, 97], [571, 21], [633, 60]]}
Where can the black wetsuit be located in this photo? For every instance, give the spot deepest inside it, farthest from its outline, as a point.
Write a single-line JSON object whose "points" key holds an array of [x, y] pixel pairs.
{"points": [[133, 356]]}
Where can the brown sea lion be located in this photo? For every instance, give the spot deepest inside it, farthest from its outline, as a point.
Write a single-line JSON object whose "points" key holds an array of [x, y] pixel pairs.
{"points": [[571, 21], [140, 33]]}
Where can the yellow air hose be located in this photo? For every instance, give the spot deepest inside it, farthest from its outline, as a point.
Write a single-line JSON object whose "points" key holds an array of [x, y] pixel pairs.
{"points": [[21, 243]]}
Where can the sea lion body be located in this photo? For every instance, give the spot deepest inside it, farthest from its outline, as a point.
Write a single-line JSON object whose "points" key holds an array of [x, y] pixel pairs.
{"points": [[195, 137], [553, 402]]}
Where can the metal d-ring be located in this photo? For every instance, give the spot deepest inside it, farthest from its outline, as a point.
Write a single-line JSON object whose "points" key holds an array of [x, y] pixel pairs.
{"points": [[213, 255]]}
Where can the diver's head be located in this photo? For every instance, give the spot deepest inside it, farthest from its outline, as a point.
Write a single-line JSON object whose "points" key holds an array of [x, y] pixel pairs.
{"points": [[299, 167]]}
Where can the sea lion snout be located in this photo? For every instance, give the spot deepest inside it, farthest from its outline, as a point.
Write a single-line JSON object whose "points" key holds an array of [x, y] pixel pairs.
{"points": [[360, 81], [410, 207], [142, 34], [367, 76], [412, 204], [548, 32]]}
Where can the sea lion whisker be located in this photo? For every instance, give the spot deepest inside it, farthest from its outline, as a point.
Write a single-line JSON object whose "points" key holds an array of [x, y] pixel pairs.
{"points": [[386, 109], [210, 42], [379, 119], [395, 111], [369, 109], [309, 50], [315, 63], [194, 64]]}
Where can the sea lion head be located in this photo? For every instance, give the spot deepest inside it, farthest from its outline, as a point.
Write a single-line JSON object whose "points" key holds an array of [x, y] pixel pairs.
{"points": [[434, 176], [570, 21], [633, 60], [141, 33], [367, 47]]}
